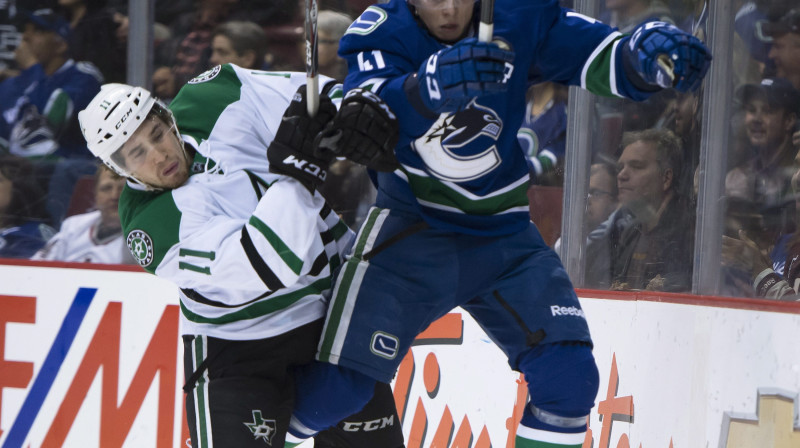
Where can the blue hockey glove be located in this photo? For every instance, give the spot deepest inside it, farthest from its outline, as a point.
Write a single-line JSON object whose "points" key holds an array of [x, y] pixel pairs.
{"points": [[666, 56], [450, 78], [291, 152]]}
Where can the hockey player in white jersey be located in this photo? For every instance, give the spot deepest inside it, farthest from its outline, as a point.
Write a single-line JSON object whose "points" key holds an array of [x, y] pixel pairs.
{"points": [[252, 251]]}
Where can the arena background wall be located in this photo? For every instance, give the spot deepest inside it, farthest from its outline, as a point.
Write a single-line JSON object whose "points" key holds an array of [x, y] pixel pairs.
{"points": [[89, 357]]}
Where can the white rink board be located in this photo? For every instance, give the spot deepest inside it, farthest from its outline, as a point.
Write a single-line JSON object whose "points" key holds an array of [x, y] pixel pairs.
{"points": [[693, 373]]}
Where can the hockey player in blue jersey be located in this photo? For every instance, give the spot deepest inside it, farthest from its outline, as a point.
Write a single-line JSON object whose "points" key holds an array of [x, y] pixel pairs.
{"points": [[451, 224]]}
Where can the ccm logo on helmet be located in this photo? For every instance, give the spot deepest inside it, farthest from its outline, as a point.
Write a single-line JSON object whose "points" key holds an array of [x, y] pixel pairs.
{"points": [[124, 117]]}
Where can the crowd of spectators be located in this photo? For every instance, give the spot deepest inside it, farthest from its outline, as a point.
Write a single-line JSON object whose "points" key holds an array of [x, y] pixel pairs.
{"points": [[55, 54], [646, 240]]}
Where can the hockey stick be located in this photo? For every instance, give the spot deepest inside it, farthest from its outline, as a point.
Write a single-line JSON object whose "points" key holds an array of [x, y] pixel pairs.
{"points": [[486, 27], [312, 77]]}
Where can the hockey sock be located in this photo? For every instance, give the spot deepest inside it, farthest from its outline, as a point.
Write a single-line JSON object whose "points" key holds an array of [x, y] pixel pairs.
{"points": [[562, 381], [326, 394]]}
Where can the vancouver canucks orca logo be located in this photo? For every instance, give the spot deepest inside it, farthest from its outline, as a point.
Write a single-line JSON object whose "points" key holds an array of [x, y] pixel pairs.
{"points": [[461, 147]]}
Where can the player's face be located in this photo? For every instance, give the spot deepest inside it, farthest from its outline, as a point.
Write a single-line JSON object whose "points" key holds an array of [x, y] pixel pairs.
{"points": [[447, 20], [640, 178], [601, 201], [222, 52], [106, 197], [6, 190], [785, 52], [765, 126], [155, 156]]}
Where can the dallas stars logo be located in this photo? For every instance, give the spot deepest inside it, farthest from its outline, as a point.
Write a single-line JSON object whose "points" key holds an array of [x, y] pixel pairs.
{"points": [[262, 429], [141, 247], [207, 75]]}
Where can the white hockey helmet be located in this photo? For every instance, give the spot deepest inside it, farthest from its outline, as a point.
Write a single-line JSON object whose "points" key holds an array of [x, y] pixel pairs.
{"points": [[113, 116]]}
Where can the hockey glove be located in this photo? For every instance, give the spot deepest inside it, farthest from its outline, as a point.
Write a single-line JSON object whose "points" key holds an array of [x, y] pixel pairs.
{"points": [[291, 152], [364, 131], [663, 55], [450, 78]]}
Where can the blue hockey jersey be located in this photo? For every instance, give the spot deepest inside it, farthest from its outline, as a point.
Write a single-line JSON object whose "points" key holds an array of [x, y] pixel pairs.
{"points": [[24, 240], [39, 112], [465, 171]]}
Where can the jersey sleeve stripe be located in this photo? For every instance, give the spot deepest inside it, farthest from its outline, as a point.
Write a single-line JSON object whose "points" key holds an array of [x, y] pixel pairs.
{"points": [[261, 307], [292, 261], [598, 75], [339, 230], [199, 298], [373, 84], [264, 272], [319, 264]]}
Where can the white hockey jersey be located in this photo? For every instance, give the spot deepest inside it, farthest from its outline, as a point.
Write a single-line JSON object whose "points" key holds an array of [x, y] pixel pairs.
{"points": [[252, 252], [78, 241]]}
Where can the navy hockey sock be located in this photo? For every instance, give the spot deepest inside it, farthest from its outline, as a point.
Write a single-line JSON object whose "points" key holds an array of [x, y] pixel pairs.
{"points": [[563, 382], [325, 395]]}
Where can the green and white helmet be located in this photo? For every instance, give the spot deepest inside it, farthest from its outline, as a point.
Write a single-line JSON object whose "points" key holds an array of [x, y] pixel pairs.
{"points": [[113, 116]]}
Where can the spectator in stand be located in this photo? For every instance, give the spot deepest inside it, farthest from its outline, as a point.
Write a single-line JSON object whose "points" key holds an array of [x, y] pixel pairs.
{"points": [[94, 237], [682, 117], [164, 87], [38, 106], [192, 34], [239, 42], [648, 242], [745, 221], [331, 26], [627, 14], [94, 37], [770, 114], [602, 200], [752, 263], [784, 30], [543, 134], [23, 230]]}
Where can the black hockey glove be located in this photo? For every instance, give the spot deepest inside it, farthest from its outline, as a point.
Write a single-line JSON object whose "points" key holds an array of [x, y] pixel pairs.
{"points": [[291, 153], [364, 131]]}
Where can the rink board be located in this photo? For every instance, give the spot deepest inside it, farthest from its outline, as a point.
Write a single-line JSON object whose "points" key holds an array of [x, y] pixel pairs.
{"points": [[90, 357]]}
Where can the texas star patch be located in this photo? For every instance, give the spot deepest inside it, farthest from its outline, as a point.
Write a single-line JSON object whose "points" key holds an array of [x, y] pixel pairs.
{"points": [[141, 246]]}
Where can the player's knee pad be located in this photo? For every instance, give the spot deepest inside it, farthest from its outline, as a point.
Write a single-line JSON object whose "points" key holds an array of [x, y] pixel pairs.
{"points": [[562, 382], [326, 394]]}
